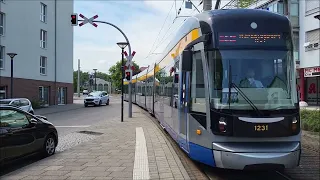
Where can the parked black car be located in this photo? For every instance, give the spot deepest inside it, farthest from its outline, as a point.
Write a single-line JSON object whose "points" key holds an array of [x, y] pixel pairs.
{"points": [[22, 133]]}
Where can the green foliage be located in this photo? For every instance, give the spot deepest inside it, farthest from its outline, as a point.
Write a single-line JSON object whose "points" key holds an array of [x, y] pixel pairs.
{"points": [[163, 77], [310, 120], [35, 104], [245, 3], [84, 77], [115, 73], [160, 74], [104, 76]]}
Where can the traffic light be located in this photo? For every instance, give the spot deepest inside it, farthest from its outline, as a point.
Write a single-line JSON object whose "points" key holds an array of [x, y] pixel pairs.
{"points": [[128, 74], [74, 19], [176, 78]]}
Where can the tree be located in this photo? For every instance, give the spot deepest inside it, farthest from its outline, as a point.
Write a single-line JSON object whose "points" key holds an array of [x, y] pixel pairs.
{"points": [[160, 74], [245, 3], [84, 77], [115, 73], [103, 76]]}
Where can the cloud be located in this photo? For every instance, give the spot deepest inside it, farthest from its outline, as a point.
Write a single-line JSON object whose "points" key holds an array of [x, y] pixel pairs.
{"points": [[141, 21]]}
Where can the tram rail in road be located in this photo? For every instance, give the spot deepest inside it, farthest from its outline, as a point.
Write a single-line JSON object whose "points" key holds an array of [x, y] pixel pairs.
{"points": [[223, 174]]}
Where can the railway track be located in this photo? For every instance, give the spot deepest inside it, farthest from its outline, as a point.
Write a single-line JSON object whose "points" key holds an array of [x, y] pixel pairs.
{"points": [[200, 171], [222, 174]]}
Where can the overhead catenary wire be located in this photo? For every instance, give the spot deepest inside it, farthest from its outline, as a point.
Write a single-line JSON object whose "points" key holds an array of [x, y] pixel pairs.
{"points": [[178, 27], [161, 29], [165, 38]]}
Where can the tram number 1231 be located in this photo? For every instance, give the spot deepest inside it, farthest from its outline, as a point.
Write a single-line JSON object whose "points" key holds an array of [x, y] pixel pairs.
{"points": [[261, 128]]}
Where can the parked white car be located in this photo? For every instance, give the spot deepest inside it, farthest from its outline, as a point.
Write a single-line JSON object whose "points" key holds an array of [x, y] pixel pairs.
{"points": [[22, 103], [96, 98], [85, 92]]}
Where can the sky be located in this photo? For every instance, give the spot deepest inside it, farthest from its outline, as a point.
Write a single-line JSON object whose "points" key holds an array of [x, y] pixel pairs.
{"points": [[140, 20]]}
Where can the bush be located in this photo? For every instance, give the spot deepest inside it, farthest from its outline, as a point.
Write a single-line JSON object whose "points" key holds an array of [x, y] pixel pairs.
{"points": [[36, 104], [310, 120]]}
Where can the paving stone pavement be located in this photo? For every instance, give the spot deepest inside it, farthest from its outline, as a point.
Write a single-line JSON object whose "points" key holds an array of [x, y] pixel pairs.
{"points": [[109, 156]]}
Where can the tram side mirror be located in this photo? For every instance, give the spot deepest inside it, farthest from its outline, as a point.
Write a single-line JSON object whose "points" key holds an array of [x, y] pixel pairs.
{"points": [[187, 60]]}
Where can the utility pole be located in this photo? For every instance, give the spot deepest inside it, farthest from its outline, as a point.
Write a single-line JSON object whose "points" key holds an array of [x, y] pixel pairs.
{"points": [[207, 5], [95, 79], [78, 85]]}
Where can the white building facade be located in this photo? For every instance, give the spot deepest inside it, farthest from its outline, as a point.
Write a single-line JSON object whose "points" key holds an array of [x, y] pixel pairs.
{"points": [[306, 31], [41, 34]]}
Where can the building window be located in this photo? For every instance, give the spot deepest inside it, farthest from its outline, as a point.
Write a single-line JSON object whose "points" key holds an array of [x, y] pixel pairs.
{"points": [[43, 12], [2, 55], [294, 9], [311, 6], [43, 65], [280, 8], [1, 23], [43, 38], [44, 95], [296, 46]]}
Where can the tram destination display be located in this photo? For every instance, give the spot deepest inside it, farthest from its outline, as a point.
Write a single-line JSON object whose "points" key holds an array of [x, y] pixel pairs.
{"points": [[251, 39]]}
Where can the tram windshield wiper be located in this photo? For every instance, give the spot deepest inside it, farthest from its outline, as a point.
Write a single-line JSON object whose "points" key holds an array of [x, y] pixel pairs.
{"points": [[232, 85], [254, 107]]}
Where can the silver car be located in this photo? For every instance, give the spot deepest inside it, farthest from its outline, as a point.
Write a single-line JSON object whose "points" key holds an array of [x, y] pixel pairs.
{"points": [[97, 98], [22, 103]]}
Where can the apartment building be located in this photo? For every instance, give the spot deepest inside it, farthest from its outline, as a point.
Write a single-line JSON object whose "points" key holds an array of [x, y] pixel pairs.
{"points": [[306, 31], [41, 35], [310, 52]]}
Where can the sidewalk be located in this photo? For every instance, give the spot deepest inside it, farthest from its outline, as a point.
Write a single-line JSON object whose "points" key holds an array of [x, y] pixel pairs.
{"points": [[133, 149], [77, 104]]}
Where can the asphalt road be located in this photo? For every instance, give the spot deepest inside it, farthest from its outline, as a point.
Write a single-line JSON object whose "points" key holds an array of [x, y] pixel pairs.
{"points": [[74, 120]]}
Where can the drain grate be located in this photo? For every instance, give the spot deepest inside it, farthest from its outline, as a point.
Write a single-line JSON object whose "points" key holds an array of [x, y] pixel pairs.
{"points": [[90, 132]]}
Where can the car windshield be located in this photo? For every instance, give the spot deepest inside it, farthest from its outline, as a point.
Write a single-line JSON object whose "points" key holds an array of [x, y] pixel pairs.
{"points": [[4, 102], [94, 94], [263, 76]]}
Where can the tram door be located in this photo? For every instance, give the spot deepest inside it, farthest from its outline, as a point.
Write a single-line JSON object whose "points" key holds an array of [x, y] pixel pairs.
{"points": [[184, 110], [184, 97]]}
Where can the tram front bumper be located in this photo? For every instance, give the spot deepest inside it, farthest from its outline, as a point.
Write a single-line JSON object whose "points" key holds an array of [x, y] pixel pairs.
{"points": [[260, 159]]}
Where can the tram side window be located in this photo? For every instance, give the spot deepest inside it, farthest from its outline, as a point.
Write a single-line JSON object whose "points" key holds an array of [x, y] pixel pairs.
{"points": [[198, 103]]}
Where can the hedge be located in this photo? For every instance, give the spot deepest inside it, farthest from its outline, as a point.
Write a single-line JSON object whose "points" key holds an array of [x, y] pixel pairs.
{"points": [[310, 120]]}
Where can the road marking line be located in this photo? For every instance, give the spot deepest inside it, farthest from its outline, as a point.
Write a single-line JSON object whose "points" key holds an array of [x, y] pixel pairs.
{"points": [[72, 126], [141, 165]]}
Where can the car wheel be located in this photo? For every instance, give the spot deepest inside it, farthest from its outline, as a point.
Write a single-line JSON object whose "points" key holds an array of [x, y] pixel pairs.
{"points": [[107, 102], [85, 105], [49, 147]]}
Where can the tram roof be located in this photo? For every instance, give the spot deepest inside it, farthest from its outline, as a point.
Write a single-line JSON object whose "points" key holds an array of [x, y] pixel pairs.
{"points": [[210, 17]]}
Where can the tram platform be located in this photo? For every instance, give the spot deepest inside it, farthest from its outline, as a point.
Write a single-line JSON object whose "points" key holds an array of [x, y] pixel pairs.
{"points": [[134, 149]]}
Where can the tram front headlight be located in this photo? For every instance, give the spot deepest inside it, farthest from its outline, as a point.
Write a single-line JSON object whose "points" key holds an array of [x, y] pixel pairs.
{"points": [[294, 124], [222, 125]]}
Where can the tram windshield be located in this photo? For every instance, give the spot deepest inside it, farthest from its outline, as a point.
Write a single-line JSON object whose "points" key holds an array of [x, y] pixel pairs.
{"points": [[265, 77]]}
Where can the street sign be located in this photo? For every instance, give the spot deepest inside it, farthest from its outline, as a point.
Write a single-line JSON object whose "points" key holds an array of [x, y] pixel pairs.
{"points": [[90, 20], [129, 58]]}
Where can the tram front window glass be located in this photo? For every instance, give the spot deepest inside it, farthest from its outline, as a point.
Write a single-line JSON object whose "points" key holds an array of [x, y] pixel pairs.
{"points": [[263, 76]]}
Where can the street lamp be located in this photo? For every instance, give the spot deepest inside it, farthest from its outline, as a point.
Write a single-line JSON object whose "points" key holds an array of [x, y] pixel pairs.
{"points": [[95, 79], [122, 45], [12, 55]]}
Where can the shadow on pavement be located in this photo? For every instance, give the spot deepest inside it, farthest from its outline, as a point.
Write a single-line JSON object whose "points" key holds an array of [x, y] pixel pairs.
{"points": [[19, 163]]}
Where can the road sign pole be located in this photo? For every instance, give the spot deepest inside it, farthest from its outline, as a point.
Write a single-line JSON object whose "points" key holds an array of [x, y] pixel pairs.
{"points": [[122, 76], [86, 20]]}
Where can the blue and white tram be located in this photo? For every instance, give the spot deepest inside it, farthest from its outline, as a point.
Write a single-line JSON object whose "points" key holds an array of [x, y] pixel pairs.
{"points": [[225, 90]]}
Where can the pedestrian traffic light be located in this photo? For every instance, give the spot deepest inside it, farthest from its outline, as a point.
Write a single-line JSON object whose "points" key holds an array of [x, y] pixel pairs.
{"points": [[176, 78], [74, 19], [128, 74]]}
